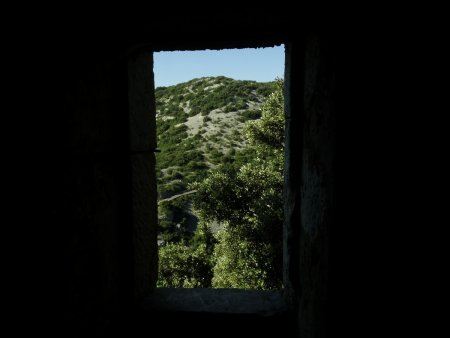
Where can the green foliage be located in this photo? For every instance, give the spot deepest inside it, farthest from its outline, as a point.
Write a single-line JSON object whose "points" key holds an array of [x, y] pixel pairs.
{"points": [[252, 114], [181, 266], [204, 236], [172, 222], [267, 89], [171, 188], [247, 200], [178, 148], [243, 194], [269, 130], [244, 264], [207, 94], [235, 195]]}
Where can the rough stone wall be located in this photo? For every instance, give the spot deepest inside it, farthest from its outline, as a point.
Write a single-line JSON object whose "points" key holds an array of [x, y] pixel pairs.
{"points": [[317, 185], [104, 191], [309, 180], [101, 175], [116, 257], [88, 190], [144, 195], [293, 165], [72, 179]]}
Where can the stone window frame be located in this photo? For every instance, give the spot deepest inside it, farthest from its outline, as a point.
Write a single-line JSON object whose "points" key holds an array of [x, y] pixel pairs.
{"points": [[142, 112]]}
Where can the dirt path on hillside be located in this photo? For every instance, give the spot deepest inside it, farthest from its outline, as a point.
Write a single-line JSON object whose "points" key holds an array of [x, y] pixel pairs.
{"points": [[176, 196]]}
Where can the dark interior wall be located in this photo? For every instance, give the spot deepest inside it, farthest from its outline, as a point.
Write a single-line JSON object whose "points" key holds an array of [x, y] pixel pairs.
{"points": [[309, 176], [89, 184], [142, 125], [317, 184], [58, 60], [78, 187], [93, 198]]}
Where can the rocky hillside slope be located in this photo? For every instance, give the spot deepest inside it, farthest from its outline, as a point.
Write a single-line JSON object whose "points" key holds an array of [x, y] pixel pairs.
{"points": [[199, 126]]}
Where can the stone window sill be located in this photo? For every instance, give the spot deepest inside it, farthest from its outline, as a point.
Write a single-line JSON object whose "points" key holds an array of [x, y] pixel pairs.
{"points": [[220, 301]]}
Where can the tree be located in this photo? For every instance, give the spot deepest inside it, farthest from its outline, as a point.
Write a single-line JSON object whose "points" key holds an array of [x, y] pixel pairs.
{"points": [[182, 266], [269, 130], [247, 201]]}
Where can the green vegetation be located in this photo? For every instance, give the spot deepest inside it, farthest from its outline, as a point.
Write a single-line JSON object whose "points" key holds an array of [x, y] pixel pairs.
{"points": [[181, 266], [237, 174], [190, 154], [247, 201]]}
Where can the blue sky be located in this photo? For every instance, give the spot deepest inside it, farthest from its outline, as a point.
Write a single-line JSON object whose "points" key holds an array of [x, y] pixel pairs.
{"points": [[258, 64]]}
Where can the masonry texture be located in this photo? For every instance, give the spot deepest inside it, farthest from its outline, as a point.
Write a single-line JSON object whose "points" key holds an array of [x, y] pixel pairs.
{"points": [[102, 194]]}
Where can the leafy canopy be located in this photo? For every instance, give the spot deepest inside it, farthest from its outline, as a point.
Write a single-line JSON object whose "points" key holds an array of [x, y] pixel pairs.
{"points": [[245, 199]]}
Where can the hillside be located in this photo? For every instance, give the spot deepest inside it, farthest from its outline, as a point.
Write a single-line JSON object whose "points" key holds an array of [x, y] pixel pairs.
{"points": [[199, 125]]}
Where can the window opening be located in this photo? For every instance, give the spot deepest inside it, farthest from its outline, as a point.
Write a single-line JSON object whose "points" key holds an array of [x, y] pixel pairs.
{"points": [[220, 169]]}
